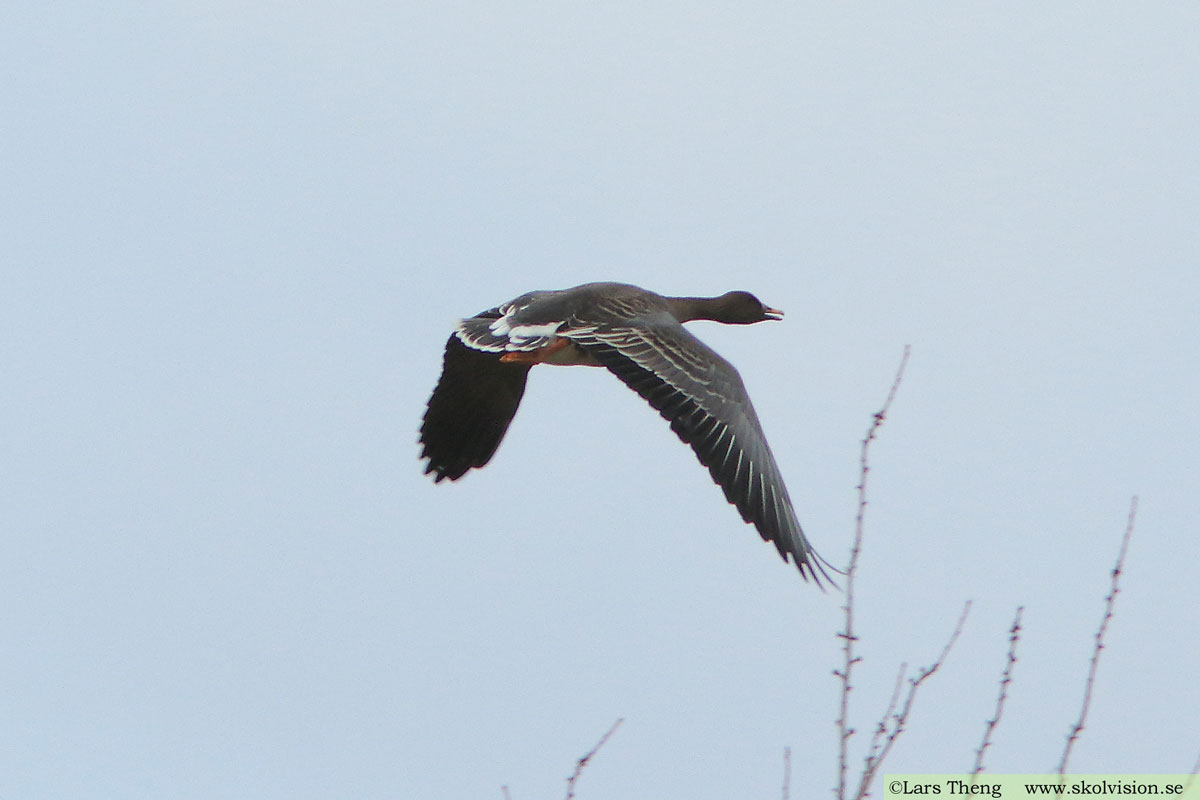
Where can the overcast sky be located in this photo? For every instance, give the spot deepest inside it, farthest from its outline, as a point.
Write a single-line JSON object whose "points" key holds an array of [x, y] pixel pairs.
{"points": [[234, 240]]}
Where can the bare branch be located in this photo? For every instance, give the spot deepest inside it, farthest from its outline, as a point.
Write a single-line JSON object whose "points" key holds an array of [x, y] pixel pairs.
{"points": [[1187, 787], [583, 762], [1109, 603], [881, 729], [898, 721], [787, 772], [1014, 635], [847, 634]]}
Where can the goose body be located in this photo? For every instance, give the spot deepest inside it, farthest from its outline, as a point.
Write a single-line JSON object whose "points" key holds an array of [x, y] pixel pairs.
{"points": [[639, 337]]}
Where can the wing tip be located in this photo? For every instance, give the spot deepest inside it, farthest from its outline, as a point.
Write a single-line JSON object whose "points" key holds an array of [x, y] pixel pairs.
{"points": [[814, 560]]}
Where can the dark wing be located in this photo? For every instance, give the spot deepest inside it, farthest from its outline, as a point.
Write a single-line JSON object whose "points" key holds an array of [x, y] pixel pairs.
{"points": [[470, 409], [703, 397]]}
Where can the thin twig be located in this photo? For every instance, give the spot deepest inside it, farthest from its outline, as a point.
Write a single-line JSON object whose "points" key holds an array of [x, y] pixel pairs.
{"points": [[881, 729], [583, 762], [847, 635], [1109, 603], [898, 721], [1187, 787], [1014, 636], [787, 772]]}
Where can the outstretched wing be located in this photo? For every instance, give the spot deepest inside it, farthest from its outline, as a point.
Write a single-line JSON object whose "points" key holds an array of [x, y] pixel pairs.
{"points": [[470, 409], [702, 396]]}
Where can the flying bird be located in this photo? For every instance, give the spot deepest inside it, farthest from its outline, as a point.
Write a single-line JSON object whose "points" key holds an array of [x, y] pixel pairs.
{"points": [[639, 337]]}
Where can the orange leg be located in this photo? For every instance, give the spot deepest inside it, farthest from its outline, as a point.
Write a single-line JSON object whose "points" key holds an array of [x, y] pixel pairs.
{"points": [[535, 356]]}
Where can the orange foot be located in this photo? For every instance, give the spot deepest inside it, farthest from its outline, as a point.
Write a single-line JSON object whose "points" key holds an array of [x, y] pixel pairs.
{"points": [[535, 356]]}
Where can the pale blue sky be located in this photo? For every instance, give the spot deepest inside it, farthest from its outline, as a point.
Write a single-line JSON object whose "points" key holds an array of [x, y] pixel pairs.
{"points": [[234, 241]]}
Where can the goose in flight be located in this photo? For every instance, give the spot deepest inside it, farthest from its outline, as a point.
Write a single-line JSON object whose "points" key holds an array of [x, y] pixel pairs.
{"points": [[639, 337]]}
